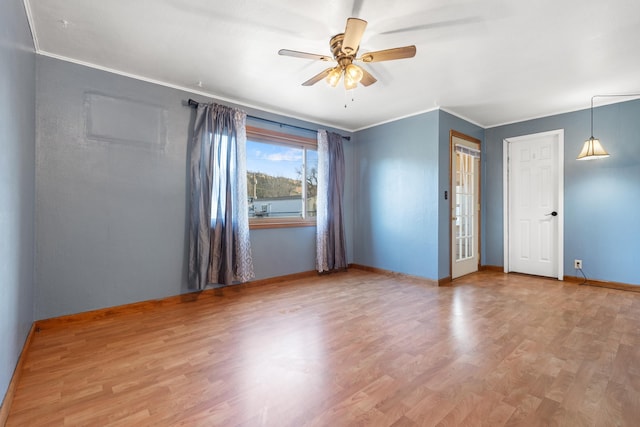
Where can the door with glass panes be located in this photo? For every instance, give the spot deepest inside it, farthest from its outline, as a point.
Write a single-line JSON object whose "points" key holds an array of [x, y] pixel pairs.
{"points": [[465, 204]]}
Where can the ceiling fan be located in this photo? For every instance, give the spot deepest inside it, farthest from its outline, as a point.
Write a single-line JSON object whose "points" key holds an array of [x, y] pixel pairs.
{"points": [[344, 47]]}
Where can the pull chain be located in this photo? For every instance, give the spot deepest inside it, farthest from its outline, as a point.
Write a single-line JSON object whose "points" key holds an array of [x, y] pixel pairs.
{"points": [[346, 95]]}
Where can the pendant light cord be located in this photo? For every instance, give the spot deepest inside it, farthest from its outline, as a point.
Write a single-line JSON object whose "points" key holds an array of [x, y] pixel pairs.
{"points": [[584, 282], [613, 95], [592, 115]]}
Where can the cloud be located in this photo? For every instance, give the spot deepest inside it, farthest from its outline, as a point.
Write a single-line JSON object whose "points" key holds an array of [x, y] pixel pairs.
{"points": [[291, 155]]}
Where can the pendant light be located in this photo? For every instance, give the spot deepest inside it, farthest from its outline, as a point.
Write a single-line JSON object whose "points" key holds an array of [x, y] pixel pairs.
{"points": [[592, 148]]}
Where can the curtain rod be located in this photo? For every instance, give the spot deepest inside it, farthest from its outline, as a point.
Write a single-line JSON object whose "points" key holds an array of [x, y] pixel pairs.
{"points": [[195, 104]]}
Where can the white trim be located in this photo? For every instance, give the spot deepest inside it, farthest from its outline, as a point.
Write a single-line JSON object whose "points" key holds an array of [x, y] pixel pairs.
{"points": [[281, 113], [396, 119], [560, 203], [190, 90], [505, 204], [545, 115], [32, 26], [461, 117], [417, 114], [505, 191]]}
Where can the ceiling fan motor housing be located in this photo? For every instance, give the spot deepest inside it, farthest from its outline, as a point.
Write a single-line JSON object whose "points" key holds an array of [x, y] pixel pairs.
{"points": [[342, 58]]}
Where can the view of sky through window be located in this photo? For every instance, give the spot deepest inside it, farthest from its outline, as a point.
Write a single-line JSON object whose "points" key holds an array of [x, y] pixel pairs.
{"points": [[274, 160], [279, 181]]}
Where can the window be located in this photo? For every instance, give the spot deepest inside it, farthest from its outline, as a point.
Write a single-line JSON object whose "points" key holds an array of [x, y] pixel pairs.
{"points": [[282, 179]]}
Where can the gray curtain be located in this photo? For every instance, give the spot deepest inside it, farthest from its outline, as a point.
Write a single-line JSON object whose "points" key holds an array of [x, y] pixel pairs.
{"points": [[330, 240], [220, 251]]}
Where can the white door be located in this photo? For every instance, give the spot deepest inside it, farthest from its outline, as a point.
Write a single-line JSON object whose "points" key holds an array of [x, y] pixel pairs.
{"points": [[534, 204], [465, 204]]}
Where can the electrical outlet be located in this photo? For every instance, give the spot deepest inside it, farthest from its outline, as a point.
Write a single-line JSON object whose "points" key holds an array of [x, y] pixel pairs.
{"points": [[577, 264]]}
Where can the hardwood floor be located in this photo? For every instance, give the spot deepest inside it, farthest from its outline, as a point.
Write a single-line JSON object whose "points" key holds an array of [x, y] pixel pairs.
{"points": [[348, 349]]}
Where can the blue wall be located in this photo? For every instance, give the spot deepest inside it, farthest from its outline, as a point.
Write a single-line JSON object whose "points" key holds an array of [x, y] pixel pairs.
{"points": [[17, 194], [402, 232], [601, 197], [403, 172], [397, 203], [111, 193]]}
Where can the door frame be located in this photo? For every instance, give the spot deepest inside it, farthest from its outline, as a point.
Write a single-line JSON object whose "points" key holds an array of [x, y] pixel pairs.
{"points": [[456, 134], [560, 202]]}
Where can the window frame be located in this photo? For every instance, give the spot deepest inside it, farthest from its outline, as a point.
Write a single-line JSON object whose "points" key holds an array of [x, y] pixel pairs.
{"points": [[272, 137]]}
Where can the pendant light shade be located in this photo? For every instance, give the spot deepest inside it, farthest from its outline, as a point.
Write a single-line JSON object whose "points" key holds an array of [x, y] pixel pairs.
{"points": [[592, 149]]}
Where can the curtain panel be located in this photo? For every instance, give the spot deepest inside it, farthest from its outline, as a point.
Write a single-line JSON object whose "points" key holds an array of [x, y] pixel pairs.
{"points": [[220, 250], [330, 239]]}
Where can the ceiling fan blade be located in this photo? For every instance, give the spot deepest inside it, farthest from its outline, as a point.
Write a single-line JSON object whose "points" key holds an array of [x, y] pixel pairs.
{"points": [[352, 35], [304, 55], [357, 6], [389, 54], [367, 78], [432, 25], [315, 79]]}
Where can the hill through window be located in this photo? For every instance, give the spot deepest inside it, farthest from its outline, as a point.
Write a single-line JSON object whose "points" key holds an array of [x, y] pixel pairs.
{"points": [[282, 179]]}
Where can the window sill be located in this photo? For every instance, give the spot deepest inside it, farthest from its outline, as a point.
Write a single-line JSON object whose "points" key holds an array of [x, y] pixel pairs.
{"points": [[255, 224]]}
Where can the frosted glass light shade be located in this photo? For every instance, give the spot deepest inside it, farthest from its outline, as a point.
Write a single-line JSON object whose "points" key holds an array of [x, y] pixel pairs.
{"points": [[334, 76], [354, 72], [349, 83], [592, 149]]}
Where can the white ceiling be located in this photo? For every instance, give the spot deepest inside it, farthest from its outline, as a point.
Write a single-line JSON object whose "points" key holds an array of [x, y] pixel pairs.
{"points": [[489, 61]]}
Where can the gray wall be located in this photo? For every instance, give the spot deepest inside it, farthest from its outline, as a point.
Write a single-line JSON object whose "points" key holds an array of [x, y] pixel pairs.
{"points": [[111, 193], [17, 154]]}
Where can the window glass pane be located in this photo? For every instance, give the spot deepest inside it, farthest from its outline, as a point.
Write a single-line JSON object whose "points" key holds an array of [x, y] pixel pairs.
{"points": [[274, 180], [312, 182], [464, 208]]}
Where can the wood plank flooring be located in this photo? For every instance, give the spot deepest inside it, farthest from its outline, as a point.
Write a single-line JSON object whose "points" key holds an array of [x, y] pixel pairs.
{"points": [[349, 349]]}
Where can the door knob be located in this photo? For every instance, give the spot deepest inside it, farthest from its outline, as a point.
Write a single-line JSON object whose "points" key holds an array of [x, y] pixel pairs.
{"points": [[554, 213]]}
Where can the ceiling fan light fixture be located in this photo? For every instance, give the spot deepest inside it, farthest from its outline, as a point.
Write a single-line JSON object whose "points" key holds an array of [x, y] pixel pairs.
{"points": [[334, 76], [349, 82], [354, 72], [345, 47]]}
